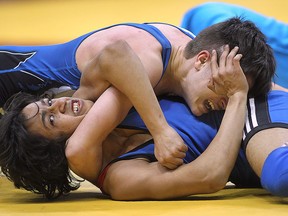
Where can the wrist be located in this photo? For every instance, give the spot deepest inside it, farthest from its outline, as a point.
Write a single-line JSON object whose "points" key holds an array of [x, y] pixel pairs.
{"points": [[158, 127], [238, 98]]}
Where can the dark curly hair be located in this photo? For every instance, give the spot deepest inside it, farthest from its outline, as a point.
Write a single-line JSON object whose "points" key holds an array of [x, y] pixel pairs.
{"points": [[258, 61], [31, 161]]}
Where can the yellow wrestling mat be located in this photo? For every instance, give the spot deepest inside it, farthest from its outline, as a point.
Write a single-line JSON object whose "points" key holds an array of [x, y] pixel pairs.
{"points": [[89, 201], [53, 21]]}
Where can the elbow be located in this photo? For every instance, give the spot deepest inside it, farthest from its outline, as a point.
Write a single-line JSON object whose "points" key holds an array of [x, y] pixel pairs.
{"points": [[70, 152], [215, 186], [118, 52], [215, 181], [74, 154], [120, 194], [114, 51], [125, 190], [219, 184]]}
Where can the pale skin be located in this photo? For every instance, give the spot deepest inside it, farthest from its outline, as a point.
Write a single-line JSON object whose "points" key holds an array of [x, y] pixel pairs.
{"points": [[139, 179], [204, 175], [115, 57]]}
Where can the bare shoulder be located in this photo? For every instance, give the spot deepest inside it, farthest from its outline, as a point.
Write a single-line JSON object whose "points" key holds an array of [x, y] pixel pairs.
{"points": [[174, 34]]}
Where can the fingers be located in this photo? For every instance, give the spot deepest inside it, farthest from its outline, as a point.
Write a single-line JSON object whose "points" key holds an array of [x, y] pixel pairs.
{"points": [[211, 85], [219, 71], [173, 165], [169, 149], [229, 77], [236, 60], [173, 162], [225, 73], [173, 158], [214, 66], [214, 69], [223, 57], [227, 60], [231, 57], [183, 148]]}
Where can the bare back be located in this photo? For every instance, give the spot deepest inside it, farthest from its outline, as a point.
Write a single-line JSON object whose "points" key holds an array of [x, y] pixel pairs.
{"points": [[144, 44]]}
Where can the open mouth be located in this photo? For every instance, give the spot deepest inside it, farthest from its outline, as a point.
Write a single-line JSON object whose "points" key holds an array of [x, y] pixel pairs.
{"points": [[75, 106], [209, 105]]}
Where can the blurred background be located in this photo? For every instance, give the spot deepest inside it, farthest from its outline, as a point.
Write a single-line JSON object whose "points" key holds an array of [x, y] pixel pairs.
{"points": [[55, 21]]}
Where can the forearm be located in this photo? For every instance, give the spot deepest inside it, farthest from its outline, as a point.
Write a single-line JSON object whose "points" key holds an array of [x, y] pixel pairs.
{"points": [[211, 170], [128, 74], [206, 174], [85, 144], [225, 146]]}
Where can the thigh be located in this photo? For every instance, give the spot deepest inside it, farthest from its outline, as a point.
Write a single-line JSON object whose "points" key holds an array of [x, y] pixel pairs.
{"points": [[262, 144]]}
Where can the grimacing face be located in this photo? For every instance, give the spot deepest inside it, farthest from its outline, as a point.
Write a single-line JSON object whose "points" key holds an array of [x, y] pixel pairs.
{"points": [[55, 117], [200, 98]]}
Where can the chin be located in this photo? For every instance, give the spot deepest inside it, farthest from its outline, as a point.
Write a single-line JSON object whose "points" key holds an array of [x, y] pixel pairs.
{"points": [[196, 112]]}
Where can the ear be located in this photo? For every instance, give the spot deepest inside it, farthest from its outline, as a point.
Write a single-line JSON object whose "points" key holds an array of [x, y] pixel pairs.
{"points": [[201, 59]]}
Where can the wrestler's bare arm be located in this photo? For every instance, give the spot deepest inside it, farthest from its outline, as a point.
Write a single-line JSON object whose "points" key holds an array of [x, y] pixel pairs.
{"points": [[119, 66], [139, 179], [84, 147]]}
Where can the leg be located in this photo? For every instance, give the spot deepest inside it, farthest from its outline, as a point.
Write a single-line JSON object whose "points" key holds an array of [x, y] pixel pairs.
{"points": [[276, 32], [274, 176], [269, 160]]}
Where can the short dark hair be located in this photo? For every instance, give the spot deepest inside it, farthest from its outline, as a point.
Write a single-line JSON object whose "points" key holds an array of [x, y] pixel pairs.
{"points": [[31, 161], [258, 61]]}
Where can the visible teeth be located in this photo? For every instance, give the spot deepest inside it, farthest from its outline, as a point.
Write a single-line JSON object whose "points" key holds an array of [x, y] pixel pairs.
{"points": [[75, 107], [211, 105]]}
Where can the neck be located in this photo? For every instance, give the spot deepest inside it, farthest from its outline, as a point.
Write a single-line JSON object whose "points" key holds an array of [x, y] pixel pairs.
{"points": [[171, 82], [180, 68]]}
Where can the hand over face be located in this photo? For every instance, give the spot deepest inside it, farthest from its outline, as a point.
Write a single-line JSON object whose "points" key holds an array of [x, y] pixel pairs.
{"points": [[227, 77]]}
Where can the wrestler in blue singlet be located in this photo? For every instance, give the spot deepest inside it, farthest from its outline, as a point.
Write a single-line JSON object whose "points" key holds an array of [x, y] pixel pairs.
{"points": [[197, 133], [207, 14], [35, 69], [262, 113]]}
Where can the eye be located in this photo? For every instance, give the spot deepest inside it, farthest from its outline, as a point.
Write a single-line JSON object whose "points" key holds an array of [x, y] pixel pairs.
{"points": [[49, 102], [51, 120]]}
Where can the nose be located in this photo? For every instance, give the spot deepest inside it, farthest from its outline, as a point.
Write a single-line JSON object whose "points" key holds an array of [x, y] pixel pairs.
{"points": [[58, 105]]}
